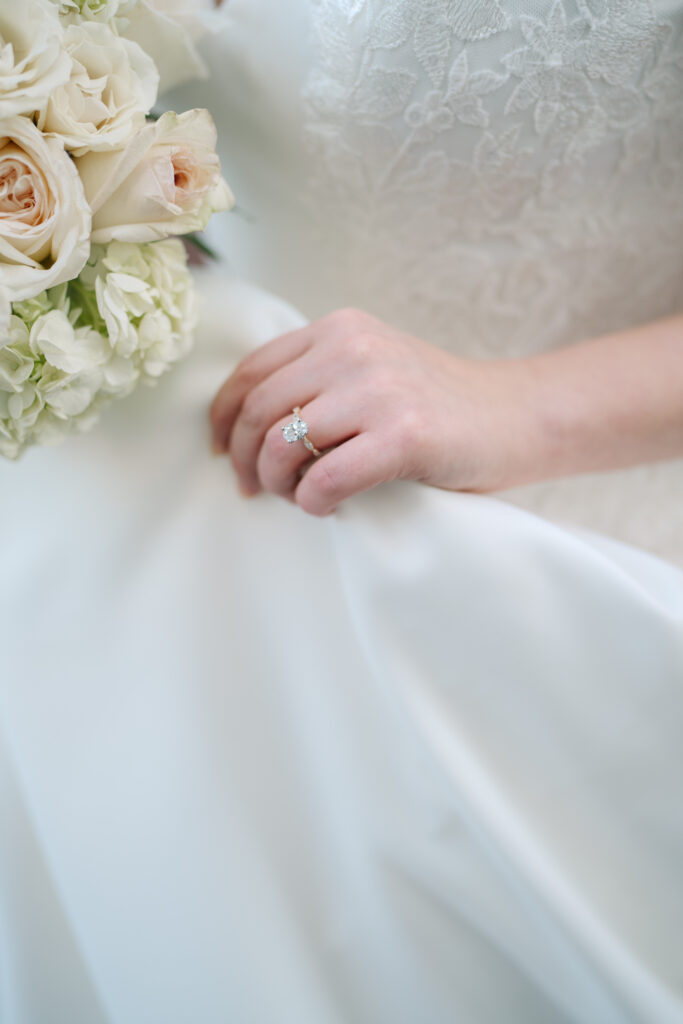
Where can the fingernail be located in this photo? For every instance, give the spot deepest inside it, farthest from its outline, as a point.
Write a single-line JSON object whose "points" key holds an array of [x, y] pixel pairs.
{"points": [[219, 443], [248, 492]]}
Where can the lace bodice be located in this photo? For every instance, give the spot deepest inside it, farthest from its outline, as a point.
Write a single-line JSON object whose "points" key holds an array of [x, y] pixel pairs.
{"points": [[498, 176], [502, 169]]}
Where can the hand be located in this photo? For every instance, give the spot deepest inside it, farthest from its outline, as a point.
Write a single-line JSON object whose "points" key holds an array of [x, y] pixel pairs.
{"points": [[386, 404]]}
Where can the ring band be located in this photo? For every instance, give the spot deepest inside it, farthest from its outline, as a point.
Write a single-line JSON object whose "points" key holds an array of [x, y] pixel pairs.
{"points": [[297, 430]]}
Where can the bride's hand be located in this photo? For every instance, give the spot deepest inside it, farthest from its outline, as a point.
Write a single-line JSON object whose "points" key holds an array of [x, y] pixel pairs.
{"points": [[386, 404]]}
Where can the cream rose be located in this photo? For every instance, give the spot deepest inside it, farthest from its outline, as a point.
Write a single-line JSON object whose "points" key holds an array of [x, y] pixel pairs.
{"points": [[112, 86], [44, 217], [32, 58], [167, 181]]}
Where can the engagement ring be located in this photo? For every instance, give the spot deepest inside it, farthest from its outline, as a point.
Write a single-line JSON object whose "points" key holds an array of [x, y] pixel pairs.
{"points": [[297, 430]]}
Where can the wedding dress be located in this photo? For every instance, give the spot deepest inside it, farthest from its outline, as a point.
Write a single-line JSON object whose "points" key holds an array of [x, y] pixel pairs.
{"points": [[419, 761]]}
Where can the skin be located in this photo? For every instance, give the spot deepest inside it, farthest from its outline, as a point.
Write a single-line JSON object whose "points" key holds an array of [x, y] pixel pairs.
{"points": [[383, 405]]}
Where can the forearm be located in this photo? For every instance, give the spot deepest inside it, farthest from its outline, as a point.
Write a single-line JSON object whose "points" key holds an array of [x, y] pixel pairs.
{"points": [[607, 403]]}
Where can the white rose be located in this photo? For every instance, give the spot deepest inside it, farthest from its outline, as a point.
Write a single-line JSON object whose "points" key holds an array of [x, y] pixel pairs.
{"points": [[32, 57], [44, 217], [167, 181], [169, 29], [113, 85]]}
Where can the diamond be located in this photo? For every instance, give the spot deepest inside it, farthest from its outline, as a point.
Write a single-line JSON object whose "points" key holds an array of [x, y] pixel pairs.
{"points": [[295, 431]]}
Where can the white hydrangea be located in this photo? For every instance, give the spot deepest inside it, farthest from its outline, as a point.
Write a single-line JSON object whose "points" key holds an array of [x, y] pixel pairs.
{"points": [[127, 318], [93, 10], [146, 299]]}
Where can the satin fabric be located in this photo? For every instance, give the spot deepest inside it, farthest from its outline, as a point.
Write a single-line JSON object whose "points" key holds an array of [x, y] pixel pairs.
{"points": [[417, 761]]}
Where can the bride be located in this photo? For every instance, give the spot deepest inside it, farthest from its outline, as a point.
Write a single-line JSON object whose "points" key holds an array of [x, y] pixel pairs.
{"points": [[395, 753]]}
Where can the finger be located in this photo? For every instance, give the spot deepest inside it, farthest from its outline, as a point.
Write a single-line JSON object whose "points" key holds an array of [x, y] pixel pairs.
{"points": [[279, 465], [295, 383], [359, 464], [247, 374]]}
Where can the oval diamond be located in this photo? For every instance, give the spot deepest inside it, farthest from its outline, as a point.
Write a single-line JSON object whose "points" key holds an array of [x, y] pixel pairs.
{"points": [[295, 431]]}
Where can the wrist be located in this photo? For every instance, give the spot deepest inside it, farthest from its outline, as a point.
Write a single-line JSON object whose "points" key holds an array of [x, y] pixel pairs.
{"points": [[544, 424], [521, 436], [555, 416]]}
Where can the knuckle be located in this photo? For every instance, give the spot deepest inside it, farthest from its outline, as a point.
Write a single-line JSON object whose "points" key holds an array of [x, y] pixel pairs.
{"points": [[348, 318], [244, 372], [409, 430], [363, 346], [413, 419]]}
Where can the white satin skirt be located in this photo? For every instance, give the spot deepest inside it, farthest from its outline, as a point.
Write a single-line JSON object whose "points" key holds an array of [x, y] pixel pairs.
{"points": [[419, 762]]}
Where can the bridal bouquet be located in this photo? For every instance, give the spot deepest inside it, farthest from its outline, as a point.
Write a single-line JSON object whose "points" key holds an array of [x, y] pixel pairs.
{"points": [[95, 294]]}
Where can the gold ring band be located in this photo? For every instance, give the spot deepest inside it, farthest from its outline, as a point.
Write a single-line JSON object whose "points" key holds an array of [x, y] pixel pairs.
{"points": [[306, 439]]}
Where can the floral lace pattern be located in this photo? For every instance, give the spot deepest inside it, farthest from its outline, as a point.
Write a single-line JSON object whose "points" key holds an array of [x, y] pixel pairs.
{"points": [[503, 176]]}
